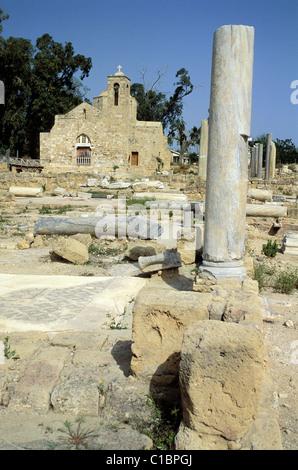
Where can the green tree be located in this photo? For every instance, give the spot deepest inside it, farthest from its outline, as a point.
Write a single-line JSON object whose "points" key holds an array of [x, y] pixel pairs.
{"points": [[16, 73], [3, 17], [154, 105], [286, 152], [54, 90], [40, 82]]}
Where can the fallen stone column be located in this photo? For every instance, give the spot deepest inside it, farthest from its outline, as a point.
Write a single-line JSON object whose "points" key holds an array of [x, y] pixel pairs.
{"points": [[265, 210], [260, 194], [101, 227], [21, 191], [168, 260], [161, 196]]}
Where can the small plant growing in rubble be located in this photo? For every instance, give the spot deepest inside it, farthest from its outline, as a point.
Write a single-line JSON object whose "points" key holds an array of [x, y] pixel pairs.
{"points": [[163, 425], [115, 324], [7, 351], [78, 437], [270, 249], [45, 210], [286, 282]]}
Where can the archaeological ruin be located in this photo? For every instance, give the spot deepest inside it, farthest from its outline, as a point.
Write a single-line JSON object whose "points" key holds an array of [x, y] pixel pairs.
{"points": [[130, 285]]}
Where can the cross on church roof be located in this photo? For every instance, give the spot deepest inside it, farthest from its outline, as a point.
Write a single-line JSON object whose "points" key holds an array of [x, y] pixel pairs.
{"points": [[119, 68]]}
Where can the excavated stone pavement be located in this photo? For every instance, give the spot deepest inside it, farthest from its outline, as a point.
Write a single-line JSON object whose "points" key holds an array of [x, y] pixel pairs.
{"points": [[73, 336]]}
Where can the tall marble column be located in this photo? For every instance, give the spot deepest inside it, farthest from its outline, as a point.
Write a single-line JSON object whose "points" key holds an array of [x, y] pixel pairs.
{"points": [[272, 161], [260, 161], [203, 149], [267, 163], [229, 128]]}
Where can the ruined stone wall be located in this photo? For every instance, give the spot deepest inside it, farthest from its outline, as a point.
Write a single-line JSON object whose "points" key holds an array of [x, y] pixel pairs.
{"points": [[69, 181]]}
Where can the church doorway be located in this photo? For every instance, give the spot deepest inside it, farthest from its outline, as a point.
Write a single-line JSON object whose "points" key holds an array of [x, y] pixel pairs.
{"points": [[134, 158]]}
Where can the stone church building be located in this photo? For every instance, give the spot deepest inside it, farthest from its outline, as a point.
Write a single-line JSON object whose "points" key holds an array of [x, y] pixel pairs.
{"points": [[100, 137]]}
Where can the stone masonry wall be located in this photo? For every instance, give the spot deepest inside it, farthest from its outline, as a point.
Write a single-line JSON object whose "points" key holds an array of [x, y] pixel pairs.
{"points": [[114, 133]]}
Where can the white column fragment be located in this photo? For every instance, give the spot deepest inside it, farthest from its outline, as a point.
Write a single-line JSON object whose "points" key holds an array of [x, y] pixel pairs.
{"points": [[229, 128], [203, 149]]}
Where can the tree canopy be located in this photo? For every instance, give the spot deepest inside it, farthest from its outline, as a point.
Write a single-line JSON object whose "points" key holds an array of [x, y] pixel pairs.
{"points": [[40, 81], [286, 152], [154, 105]]}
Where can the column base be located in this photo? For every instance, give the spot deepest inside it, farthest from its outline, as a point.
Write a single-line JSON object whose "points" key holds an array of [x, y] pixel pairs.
{"points": [[224, 270]]}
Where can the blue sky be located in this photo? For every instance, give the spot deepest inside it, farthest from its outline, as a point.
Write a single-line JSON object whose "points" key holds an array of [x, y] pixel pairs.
{"points": [[170, 34]]}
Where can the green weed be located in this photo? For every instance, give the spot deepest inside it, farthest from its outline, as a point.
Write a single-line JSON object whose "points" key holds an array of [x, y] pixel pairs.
{"points": [[286, 281], [163, 426], [7, 351], [270, 249], [78, 437]]}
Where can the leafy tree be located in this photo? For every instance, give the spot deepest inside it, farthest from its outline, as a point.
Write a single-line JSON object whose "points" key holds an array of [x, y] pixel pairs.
{"points": [[3, 17], [16, 73], [185, 139], [40, 82], [286, 151], [54, 90], [153, 105]]}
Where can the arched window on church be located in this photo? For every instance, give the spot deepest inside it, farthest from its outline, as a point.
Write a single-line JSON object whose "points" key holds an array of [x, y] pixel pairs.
{"points": [[83, 148], [116, 94]]}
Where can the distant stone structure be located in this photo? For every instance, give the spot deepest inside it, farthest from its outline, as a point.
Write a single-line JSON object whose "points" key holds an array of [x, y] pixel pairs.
{"points": [[105, 136]]}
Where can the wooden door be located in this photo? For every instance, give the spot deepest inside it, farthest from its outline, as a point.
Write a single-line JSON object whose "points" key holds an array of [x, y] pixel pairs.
{"points": [[134, 158]]}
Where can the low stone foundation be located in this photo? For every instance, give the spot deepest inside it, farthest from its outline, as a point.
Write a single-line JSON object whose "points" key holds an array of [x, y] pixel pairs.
{"points": [[206, 350]]}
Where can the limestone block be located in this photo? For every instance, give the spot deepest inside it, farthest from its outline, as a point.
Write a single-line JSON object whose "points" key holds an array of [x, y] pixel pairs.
{"points": [[38, 242], [71, 250], [160, 317], [290, 243], [23, 245], [221, 373], [92, 182], [59, 192], [29, 237], [6, 196], [144, 185], [79, 394], [84, 238], [34, 388], [136, 249]]}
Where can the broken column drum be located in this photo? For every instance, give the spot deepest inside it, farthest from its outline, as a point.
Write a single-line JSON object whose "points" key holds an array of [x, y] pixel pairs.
{"points": [[229, 128]]}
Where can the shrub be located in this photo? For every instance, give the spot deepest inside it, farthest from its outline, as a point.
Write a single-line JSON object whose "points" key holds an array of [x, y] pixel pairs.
{"points": [[286, 282], [263, 274], [270, 249]]}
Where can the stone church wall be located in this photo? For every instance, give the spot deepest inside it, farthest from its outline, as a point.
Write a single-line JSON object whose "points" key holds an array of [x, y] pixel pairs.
{"points": [[113, 132]]}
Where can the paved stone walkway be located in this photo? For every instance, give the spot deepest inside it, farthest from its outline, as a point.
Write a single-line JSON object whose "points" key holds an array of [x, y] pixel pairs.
{"points": [[51, 303], [70, 361]]}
